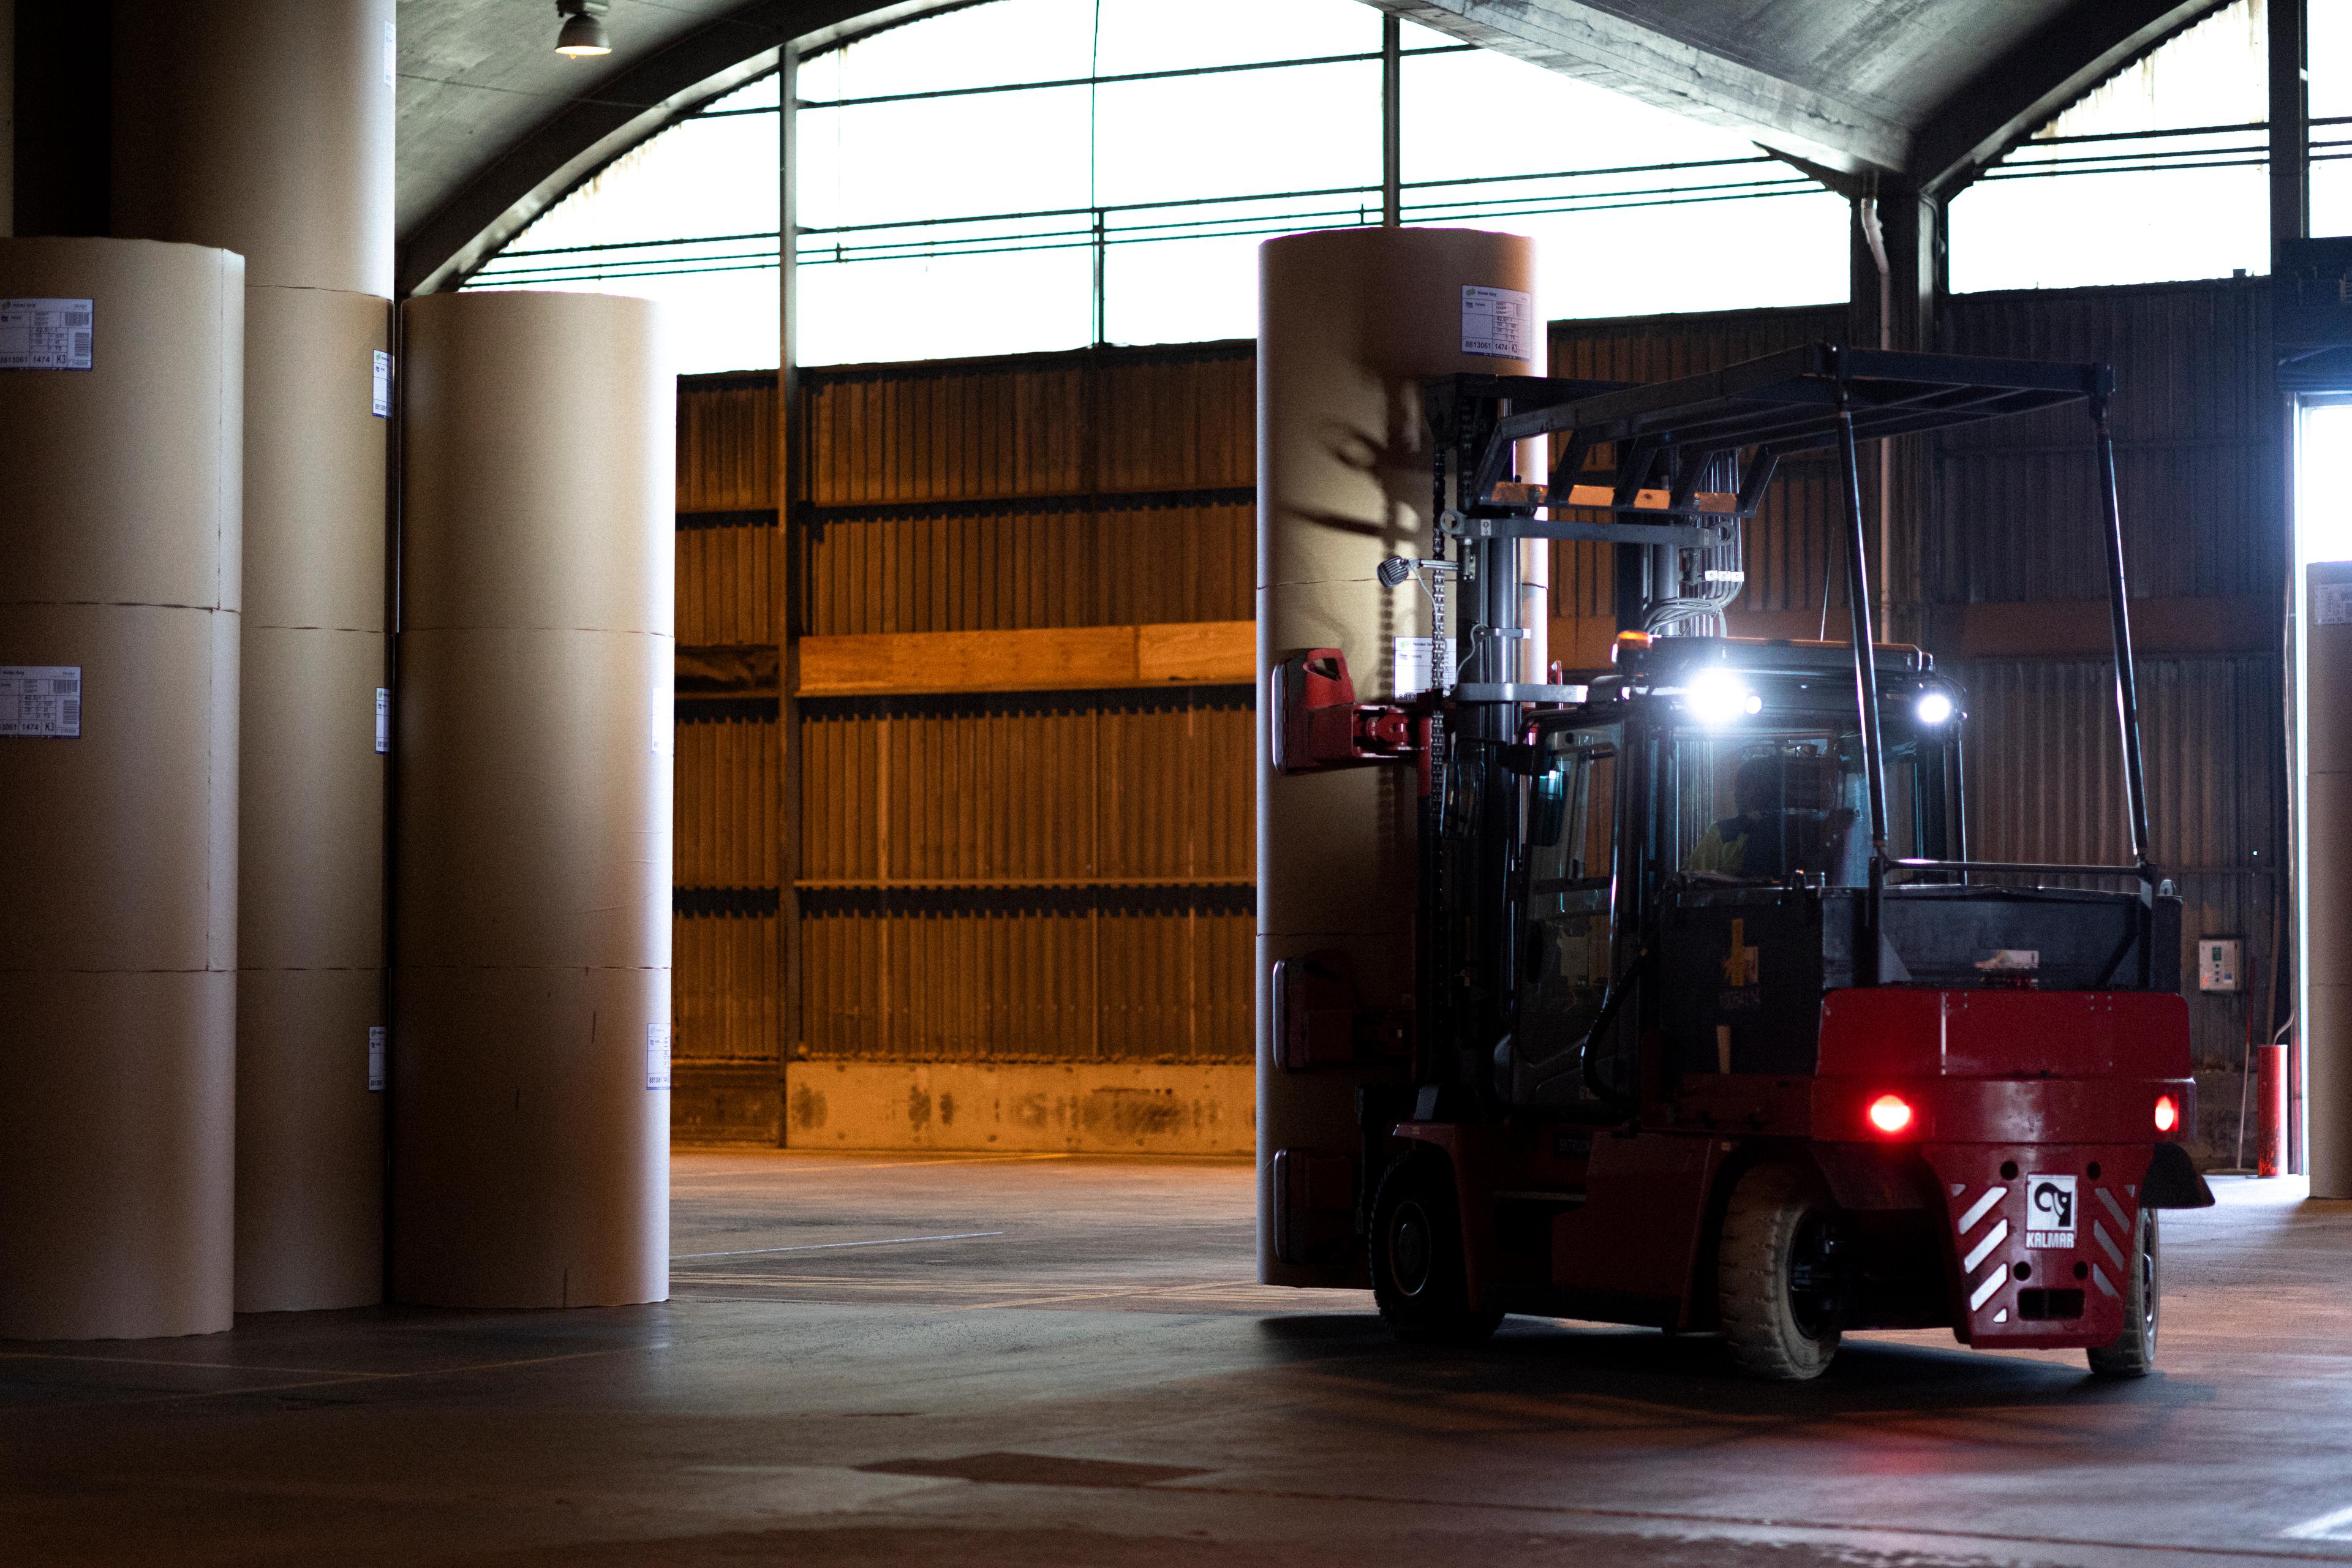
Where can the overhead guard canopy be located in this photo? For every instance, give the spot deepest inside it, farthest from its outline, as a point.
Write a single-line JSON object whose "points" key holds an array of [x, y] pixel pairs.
{"points": [[1665, 433]]}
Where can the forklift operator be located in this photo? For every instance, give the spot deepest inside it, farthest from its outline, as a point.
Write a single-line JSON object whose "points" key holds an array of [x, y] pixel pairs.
{"points": [[1781, 824]]}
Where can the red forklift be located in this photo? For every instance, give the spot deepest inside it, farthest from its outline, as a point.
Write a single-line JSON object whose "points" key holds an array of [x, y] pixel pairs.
{"points": [[1716, 1026]]}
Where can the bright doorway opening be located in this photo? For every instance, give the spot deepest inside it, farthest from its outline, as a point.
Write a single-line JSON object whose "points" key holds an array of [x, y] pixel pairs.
{"points": [[2322, 515]]}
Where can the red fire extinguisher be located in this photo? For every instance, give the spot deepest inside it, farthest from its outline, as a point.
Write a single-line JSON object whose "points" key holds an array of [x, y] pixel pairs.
{"points": [[2271, 1069]]}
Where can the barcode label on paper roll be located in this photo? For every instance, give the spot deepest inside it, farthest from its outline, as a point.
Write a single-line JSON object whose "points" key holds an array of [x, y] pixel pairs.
{"points": [[1498, 322], [657, 1056], [46, 335], [1412, 673], [382, 720], [383, 399], [391, 53], [376, 1037], [2331, 603], [42, 700]]}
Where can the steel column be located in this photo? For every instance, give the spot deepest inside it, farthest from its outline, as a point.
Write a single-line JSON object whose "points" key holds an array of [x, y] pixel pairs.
{"points": [[1391, 122], [2290, 118], [1865, 637], [2119, 623]]}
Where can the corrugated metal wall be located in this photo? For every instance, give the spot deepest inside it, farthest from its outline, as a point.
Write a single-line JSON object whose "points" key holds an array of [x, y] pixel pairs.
{"points": [[1788, 541], [2046, 783], [1033, 788], [2015, 517], [2199, 450], [1041, 876], [1096, 488], [727, 931]]}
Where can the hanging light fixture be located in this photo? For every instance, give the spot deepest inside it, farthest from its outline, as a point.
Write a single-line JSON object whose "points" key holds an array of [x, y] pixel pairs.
{"points": [[582, 32]]}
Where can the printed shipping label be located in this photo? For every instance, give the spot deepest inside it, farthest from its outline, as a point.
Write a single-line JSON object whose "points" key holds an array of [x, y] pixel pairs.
{"points": [[375, 1058], [2331, 603], [2050, 1211], [657, 1056], [382, 385], [41, 699], [1412, 672], [1498, 322], [46, 335], [382, 720]]}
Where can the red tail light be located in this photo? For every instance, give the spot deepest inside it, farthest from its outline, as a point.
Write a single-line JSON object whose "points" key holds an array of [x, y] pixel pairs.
{"points": [[2167, 1114], [1890, 1113]]}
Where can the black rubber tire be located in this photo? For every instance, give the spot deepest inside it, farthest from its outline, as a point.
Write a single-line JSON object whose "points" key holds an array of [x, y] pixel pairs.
{"points": [[2133, 1353], [1420, 1277], [1772, 1210]]}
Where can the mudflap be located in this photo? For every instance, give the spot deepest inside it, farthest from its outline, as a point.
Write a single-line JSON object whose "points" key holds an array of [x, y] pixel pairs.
{"points": [[2040, 1239]]}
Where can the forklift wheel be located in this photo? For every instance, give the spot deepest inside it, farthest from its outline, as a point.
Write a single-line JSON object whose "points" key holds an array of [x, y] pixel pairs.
{"points": [[1420, 1278], [1775, 1280], [2133, 1353]]}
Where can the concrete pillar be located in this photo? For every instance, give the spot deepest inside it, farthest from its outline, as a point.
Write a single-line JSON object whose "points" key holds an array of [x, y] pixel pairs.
{"points": [[1348, 323], [2326, 856], [532, 942], [265, 127], [118, 523]]}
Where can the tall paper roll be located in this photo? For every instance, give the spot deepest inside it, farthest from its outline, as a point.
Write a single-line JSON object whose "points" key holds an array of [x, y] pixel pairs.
{"points": [[119, 652], [266, 126], [532, 872], [1350, 322]]}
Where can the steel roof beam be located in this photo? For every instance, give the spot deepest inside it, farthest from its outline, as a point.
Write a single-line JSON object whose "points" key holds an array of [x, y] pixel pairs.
{"points": [[2022, 87], [1824, 125]]}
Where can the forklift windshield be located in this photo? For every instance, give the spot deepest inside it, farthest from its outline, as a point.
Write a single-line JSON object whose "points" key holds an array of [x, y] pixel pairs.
{"points": [[1768, 803]]}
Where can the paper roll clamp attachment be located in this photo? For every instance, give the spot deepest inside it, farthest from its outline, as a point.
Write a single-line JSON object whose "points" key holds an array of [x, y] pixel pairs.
{"points": [[1317, 722]]}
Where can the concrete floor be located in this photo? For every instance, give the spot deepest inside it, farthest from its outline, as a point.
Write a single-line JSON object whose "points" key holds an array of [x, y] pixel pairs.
{"points": [[1053, 1361]]}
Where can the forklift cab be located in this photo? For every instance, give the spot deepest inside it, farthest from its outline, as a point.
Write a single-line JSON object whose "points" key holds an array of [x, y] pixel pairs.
{"points": [[1714, 767]]}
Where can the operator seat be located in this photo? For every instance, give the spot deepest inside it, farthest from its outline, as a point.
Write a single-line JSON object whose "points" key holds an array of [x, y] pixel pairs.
{"points": [[1788, 818]]}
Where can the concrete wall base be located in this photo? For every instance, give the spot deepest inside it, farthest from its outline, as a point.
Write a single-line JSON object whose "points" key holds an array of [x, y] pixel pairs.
{"points": [[1096, 1108]]}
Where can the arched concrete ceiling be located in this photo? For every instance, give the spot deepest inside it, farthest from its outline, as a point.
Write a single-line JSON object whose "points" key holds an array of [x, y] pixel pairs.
{"points": [[494, 125]]}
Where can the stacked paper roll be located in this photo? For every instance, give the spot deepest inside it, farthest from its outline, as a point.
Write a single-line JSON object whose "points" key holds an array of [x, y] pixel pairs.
{"points": [[1350, 322], [119, 371], [265, 127]]}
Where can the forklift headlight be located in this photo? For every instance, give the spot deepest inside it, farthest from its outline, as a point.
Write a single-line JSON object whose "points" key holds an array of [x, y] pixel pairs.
{"points": [[2167, 1114], [1718, 696], [1935, 708]]}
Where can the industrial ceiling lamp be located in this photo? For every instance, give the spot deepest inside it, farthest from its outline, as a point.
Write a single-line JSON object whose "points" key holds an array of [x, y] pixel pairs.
{"points": [[582, 32]]}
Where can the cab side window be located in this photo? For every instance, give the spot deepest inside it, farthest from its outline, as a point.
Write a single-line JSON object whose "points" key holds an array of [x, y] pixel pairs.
{"points": [[1571, 879]]}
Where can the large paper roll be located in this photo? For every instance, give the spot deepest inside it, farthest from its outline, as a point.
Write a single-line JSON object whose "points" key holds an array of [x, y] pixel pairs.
{"points": [[1349, 323], [532, 951], [118, 636], [261, 126], [264, 126]]}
